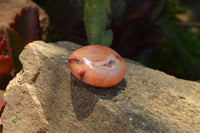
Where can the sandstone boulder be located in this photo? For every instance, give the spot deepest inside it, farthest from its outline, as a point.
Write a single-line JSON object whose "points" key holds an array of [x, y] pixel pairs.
{"points": [[45, 97]]}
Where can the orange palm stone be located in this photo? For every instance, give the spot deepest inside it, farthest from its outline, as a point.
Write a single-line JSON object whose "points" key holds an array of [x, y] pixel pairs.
{"points": [[97, 65]]}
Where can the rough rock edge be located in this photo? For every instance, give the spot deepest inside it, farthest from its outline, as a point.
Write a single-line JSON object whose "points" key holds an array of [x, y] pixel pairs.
{"points": [[147, 119]]}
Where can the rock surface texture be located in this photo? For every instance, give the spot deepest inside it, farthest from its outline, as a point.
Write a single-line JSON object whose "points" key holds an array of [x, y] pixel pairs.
{"points": [[45, 97]]}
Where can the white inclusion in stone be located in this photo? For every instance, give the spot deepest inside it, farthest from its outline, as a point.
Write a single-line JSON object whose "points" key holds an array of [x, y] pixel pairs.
{"points": [[105, 66]]}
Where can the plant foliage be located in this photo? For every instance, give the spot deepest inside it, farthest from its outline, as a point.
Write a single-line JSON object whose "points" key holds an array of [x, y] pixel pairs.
{"points": [[139, 28], [96, 13], [24, 29]]}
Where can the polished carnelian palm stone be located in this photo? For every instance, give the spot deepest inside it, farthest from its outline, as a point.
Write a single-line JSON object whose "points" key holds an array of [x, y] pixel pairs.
{"points": [[97, 65]]}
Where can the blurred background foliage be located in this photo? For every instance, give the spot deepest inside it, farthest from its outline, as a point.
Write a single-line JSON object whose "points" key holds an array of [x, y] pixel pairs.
{"points": [[161, 34]]}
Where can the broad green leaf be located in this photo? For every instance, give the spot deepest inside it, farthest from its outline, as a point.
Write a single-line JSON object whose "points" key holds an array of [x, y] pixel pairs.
{"points": [[96, 14], [106, 37], [17, 45]]}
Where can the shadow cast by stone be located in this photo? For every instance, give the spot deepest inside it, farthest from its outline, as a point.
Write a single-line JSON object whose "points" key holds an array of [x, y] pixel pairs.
{"points": [[108, 93], [84, 97]]}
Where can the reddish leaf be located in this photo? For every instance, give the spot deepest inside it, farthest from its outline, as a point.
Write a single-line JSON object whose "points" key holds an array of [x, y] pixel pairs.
{"points": [[4, 80], [2, 102], [134, 36], [27, 24], [2, 106], [5, 64], [2, 43], [152, 37], [140, 8], [79, 30], [17, 45]]}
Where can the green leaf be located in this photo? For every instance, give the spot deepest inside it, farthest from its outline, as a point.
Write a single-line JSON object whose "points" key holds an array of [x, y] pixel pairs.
{"points": [[96, 14], [106, 37], [17, 45]]}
